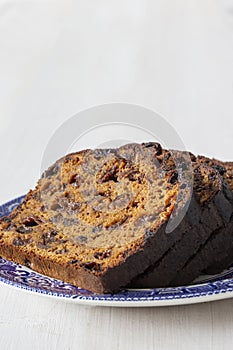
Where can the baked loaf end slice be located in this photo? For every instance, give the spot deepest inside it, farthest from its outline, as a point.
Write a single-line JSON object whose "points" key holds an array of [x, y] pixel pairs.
{"points": [[96, 218]]}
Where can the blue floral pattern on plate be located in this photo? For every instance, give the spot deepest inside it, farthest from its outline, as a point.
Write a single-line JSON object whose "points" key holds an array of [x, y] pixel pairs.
{"points": [[21, 277]]}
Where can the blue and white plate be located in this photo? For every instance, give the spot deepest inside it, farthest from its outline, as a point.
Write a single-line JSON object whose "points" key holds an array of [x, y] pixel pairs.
{"points": [[209, 288]]}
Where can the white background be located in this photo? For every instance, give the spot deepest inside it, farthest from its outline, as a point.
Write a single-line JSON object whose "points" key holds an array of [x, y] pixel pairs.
{"points": [[60, 57]]}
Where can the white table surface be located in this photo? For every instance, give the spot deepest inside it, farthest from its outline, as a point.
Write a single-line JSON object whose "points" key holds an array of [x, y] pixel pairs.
{"points": [[60, 57]]}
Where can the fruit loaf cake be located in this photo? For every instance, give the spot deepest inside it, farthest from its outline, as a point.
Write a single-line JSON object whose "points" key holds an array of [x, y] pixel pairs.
{"points": [[217, 253], [225, 258], [97, 218], [210, 192]]}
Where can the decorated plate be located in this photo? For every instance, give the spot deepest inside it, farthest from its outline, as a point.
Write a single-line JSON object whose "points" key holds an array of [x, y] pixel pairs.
{"points": [[207, 288]]}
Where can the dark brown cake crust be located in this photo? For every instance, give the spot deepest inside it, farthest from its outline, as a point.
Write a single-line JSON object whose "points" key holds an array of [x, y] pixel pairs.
{"points": [[209, 254]]}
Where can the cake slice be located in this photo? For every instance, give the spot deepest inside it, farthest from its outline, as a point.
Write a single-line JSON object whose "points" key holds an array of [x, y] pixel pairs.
{"points": [[97, 218], [214, 198], [223, 259], [217, 253]]}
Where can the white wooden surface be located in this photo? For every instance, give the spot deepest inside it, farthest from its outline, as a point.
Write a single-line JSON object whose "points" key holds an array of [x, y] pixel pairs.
{"points": [[59, 57], [29, 322]]}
